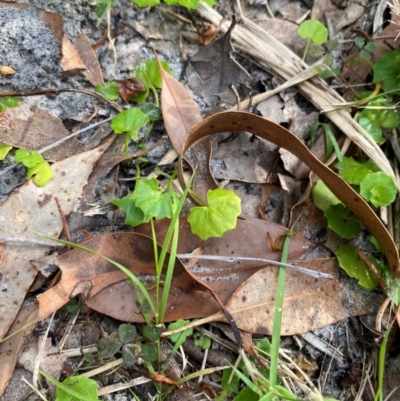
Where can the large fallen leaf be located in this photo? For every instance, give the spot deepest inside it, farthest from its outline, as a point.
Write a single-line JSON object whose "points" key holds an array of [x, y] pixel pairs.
{"points": [[30, 127], [309, 303], [31, 209], [181, 114], [9, 349], [241, 121], [100, 281]]}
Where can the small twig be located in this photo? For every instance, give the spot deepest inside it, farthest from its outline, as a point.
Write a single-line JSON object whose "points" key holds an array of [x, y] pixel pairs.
{"points": [[231, 259], [88, 92]]}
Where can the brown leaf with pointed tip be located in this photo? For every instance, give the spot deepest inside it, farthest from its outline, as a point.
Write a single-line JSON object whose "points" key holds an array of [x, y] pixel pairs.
{"points": [[259, 126], [309, 303], [93, 277], [30, 127], [32, 209], [181, 114], [93, 71], [71, 61]]}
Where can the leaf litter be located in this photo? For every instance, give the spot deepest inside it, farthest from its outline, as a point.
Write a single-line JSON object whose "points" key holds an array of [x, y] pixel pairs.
{"points": [[348, 301]]}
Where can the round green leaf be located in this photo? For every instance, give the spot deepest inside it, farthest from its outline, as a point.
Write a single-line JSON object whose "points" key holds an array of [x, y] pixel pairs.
{"points": [[379, 189], [129, 121], [12, 101], [127, 333], [152, 332], [28, 159], [314, 30], [109, 90], [133, 215], [323, 196], [192, 4], [342, 221], [148, 353], [202, 341], [41, 173], [4, 149], [387, 70], [151, 200], [355, 267], [77, 388], [353, 172], [220, 214], [130, 354], [152, 111], [182, 335], [107, 347]]}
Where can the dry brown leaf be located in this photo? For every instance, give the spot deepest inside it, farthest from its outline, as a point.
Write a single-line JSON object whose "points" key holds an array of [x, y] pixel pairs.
{"points": [[241, 121], [30, 127], [70, 62], [135, 251], [309, 303], [93, 71], [9, 349], [181, 114], [31, 209]]}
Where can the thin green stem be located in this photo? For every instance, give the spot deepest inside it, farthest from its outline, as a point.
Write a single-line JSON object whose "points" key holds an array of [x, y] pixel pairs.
{"points": [[381, 364], [306, 49]]}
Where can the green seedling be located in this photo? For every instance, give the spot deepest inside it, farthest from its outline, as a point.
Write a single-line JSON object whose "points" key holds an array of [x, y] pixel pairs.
{"points": [[126, 341], [74, 388], [314, 32], [102, 8], [354, 266], [110, 90], [217, 216], [4, 149], [179, 338], [37, 167], [10, 102], [387, 71], [366, 48], [378, 114]]}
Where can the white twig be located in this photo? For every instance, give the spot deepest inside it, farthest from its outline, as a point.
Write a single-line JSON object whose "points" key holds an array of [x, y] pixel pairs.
{"points": [[232, 259], [29, 241]]}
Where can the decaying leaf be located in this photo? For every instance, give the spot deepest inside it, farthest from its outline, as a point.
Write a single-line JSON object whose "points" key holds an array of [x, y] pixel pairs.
{"points": [[30, 127], [70, 62], [181, 114], [31, 209], [93, 71], [214, 70], [309, 303], [9, 349], [130, 87], [100, 280]]}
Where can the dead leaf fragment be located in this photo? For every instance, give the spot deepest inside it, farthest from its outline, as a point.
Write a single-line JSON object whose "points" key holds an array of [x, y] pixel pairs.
{"points": [[70, 62], [130, 87], [5, 71], [30, 127], [31, 209], [93, 71], [181, 114]]}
